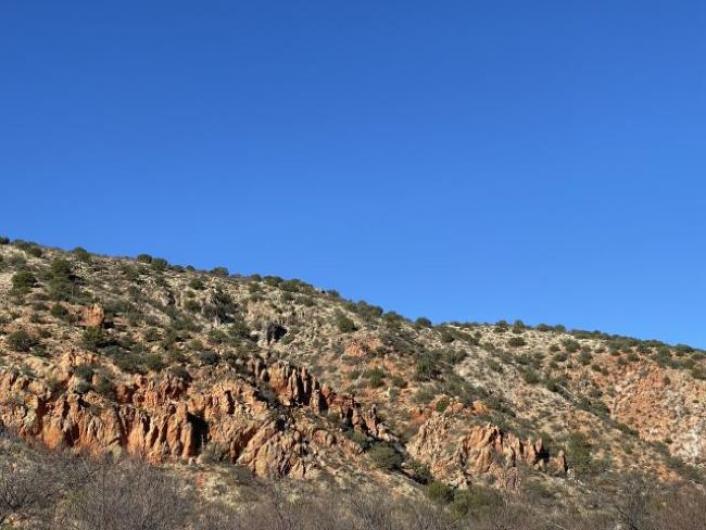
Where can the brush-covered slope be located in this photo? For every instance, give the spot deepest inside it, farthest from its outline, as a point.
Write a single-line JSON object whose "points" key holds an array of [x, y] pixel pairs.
{"points": [[276, 377]]}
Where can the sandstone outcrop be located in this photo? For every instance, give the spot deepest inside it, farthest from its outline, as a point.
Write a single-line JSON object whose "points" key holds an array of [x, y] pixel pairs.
{"points": [[93, 316], [459, 450], [168, 419]]}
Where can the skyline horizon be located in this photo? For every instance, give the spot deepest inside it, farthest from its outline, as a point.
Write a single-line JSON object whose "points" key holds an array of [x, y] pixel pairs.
{"points": [[532, 323]]}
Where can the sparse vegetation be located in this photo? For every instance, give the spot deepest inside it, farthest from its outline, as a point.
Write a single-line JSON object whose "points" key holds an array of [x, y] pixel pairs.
{"points": [[21, 341]]}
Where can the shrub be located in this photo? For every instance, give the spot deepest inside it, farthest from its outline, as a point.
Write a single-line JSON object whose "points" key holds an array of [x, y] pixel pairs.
{"points": [[358, 438], [578, 451], [398, 381], [4, 240], [130, 363], [220, 271], [82, 254], [427, 366], [442, 404], [154, 362], [144, 258], [421, 472], [23, 282], [423, 322], [385, 457], [571, 345], [105, 388], [344, 324], [516, 342], [159, 264], [21, 341], [501, 326], [446, 337], [84, 371], [62, 282], [196, 284], [375, 377], [59, 311], [192, 306], [93, 338], [531, 377], [208, 358], [454, 356], [475, 500], [439, 493], [180, 372]]}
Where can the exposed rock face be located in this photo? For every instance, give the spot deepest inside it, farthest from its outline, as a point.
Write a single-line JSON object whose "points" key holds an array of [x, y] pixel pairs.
{"points": [[663, 404], [459, 452], [168, 419], [93, 316]]}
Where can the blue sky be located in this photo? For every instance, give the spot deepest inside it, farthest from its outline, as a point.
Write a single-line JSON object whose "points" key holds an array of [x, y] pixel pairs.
{"points": [[460, 160]]}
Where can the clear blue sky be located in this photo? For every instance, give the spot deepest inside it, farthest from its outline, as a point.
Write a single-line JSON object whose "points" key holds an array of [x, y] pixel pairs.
{"points": [[460, 160]]}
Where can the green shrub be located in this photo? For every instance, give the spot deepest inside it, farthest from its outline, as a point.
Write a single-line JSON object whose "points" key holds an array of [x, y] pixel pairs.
{"points": [[375, 377], [217, 336], [197, 284], [359, 438], [192, 306], [60, 312], [84, 371], [516, 342], [454, 356], [442, 404], [23, 282], [144, 258], [446, 337], [130, 363], [421, 472], [62, 282], [579, 455], [82, 254], [159, 264], [439, 493], [398, 381], [21, 341], [501, 326], [476, 501], [385, 457], [427, 366], [93, 338], [180, 372], [154, 362], [571, 345], [423, 322], [531, 377], [208, 358], [105, 388], [518, 326], [344, 324], [220, 271]]}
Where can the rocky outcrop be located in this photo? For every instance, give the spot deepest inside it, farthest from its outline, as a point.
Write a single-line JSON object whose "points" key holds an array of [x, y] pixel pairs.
{"points": [[663, 405], [168, 419], [459, 451], [93, 316]]}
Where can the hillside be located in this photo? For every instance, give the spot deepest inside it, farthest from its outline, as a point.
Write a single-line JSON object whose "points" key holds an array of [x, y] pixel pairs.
{"points": [[226, 379]]}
